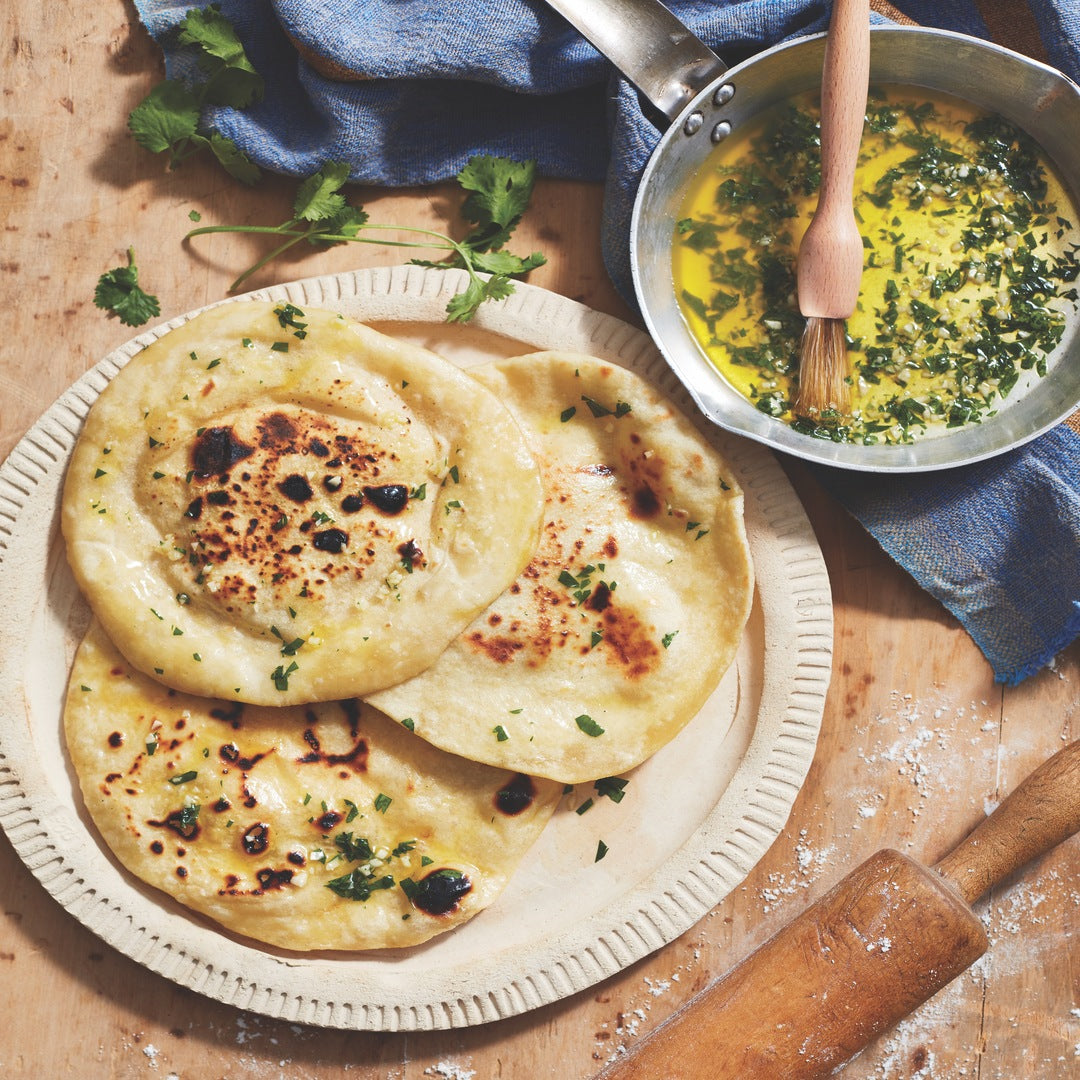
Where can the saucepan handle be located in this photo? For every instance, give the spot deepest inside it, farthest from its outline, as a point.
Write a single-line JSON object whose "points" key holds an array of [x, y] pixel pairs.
{"points": [[649, 45]]}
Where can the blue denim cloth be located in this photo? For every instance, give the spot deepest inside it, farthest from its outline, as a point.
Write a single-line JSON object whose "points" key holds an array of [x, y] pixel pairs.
{"points": [[997, 543]]}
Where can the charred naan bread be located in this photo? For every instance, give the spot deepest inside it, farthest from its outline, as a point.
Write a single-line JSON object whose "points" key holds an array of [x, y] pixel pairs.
{"points": [[280, 506], [631, 609], [320, 827]]}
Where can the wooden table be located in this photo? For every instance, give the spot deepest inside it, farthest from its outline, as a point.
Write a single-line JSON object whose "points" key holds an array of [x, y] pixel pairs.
{"points": [[917, 741]]}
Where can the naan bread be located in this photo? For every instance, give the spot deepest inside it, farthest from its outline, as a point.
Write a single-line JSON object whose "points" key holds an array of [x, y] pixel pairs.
{"points": [[280, 506], [633, 606], [320, 827]]}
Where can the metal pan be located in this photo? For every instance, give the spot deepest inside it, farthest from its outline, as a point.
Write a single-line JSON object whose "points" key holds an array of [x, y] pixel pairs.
{"points": [[705, 101]]}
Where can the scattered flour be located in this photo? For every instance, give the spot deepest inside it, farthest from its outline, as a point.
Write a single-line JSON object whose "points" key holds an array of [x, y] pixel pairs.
{"points": [[630, 1020], [447, 1070], [933, 745], [631, 1024], [809, 862]]}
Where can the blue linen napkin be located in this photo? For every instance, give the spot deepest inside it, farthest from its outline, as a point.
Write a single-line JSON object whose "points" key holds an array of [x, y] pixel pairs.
{"points": [[408, 90]]}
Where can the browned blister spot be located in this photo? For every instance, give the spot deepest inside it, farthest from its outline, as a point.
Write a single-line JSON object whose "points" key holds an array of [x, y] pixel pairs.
{"points": [[354, 758], [500, 650], [646, 483], [629, 643], [256, 838], [180, 823], [644, 502], [515, 796], [216, 451], [264, 523]]}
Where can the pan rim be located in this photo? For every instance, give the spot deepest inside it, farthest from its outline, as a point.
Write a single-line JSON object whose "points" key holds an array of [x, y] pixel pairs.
{"points": [[1010, 428]]}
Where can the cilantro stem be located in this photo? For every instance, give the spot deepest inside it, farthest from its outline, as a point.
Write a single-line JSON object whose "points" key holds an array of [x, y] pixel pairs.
{"points": [[498, 192], [268, 257], [333, 238], [441, 241]]}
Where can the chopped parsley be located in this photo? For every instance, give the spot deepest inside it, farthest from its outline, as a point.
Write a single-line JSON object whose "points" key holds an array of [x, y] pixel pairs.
{"points": [[621, 408], [588, 725], [289, 317], [356, 885], [963, 290], [613, 787], [280, 675], [188, 818], [356, 849]]}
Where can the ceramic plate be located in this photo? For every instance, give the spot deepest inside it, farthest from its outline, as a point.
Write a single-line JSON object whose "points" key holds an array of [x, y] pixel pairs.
{"points": [[696, 817]]}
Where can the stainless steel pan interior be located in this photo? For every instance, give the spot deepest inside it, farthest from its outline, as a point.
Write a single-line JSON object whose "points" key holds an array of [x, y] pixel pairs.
{"points": [[671, 67]]}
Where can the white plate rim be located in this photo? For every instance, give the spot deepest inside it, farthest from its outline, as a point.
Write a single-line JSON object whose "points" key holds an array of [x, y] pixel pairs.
{"points": [[51, 839]]}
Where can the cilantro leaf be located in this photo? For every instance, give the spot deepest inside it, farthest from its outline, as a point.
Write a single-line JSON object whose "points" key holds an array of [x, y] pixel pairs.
{"points": [[214, 34], [499, 192], [318, 198], [464, 305], [118, 293], [232, 86], [234, 161], [231, 78], [168, 118], [348, 221], [502, 262], [168, 115]]}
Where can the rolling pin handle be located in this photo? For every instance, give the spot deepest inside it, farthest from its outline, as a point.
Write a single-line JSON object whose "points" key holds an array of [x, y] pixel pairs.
{"points": [[1041, 813]]}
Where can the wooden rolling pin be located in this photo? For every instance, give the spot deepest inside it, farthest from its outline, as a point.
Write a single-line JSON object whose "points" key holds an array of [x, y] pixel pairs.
{"points": [[881, 942]]}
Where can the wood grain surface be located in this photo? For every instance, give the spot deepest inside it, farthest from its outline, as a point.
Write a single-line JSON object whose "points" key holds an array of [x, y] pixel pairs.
{"points": [[917, 743]]}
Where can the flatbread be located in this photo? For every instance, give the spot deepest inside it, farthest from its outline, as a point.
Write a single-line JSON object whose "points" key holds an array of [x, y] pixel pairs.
{"points": [[632, 608], [279, 506], [247, 814]]}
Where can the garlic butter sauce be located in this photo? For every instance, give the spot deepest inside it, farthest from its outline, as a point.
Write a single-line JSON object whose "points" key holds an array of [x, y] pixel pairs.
{"points": [[969, 275]]}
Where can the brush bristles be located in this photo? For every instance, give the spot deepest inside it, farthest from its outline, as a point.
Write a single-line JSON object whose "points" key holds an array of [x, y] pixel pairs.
{"points": [[823, 368]]}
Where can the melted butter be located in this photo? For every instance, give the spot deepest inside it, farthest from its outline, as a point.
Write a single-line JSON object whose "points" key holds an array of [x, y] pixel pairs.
{"points": [[970, 263]]}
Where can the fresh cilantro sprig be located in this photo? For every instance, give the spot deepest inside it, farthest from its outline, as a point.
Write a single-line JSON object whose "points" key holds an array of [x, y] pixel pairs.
{"points": [[118, 293], [497, 189], [169, 117], [498, 194]]}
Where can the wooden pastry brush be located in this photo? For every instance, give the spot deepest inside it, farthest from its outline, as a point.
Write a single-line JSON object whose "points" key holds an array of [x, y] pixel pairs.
{"points": [[830, 260]]}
